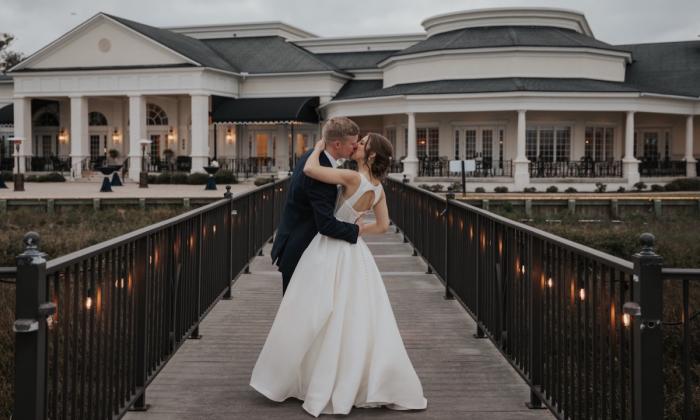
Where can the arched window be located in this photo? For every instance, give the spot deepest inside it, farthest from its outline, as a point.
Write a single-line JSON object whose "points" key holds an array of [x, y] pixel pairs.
{"points": [[46, 119], [155, 115], [97, 118]]}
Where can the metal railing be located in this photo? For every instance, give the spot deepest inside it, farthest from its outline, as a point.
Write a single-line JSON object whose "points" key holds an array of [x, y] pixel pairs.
{"points": [[576, 169], [247, 166], [96, 326], [430, 166], [662, 167], [561, 313]]}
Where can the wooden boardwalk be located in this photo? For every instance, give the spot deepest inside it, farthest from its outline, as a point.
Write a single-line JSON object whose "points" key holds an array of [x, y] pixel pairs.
{"points": [[462, 377]]}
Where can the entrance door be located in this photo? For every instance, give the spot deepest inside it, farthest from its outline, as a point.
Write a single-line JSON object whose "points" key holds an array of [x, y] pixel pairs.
{"points": [[485, 143], [651, 145], [261, 145]]}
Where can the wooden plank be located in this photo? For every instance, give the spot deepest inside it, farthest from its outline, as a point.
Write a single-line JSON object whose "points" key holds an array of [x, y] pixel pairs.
{"points": [[462, 377]]}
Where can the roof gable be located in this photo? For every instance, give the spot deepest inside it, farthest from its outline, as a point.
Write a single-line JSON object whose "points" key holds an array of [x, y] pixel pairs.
{"points": [[102, 42]]}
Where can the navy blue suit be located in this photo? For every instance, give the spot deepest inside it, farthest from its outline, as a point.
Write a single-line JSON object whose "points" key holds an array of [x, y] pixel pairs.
{"points": [[308, 211]]}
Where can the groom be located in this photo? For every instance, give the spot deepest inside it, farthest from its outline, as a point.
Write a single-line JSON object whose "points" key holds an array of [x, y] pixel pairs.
{"points": [[311, 203]]}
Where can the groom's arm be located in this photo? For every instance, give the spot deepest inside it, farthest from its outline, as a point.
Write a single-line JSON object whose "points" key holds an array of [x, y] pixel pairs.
{"points": [[322, 199]]}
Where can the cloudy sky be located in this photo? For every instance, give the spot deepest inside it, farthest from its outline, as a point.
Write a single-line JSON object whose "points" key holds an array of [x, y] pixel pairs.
{"points": [[35, 23]]}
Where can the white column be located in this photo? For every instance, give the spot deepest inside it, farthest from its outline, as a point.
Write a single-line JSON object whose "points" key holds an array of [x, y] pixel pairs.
{"points": [[200, 132], [521, 165], [690, 168], [630, 165], [137, 132], [23, 130], [78, 133], [410, 162]]}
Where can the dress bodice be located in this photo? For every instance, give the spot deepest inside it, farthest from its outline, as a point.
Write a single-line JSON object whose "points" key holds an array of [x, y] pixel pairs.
{"points": [[344, 210]]}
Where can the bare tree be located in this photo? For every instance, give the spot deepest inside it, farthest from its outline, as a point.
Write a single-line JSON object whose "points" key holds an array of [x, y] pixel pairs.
{"points": [[8, 58]]}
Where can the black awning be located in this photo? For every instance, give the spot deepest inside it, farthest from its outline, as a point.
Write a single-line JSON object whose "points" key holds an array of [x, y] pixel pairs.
{"points": [[265, 110], [7, 114]]}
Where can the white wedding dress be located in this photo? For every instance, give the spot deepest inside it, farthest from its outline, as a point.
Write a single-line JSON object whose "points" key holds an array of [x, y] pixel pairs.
{"points": [[334, 343]]}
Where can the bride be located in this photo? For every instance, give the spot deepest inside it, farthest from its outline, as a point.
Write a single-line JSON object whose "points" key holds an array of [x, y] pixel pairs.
{"points": [[334, 343]]}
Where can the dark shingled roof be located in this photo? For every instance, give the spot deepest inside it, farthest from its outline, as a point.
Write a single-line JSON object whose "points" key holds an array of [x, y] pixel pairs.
{"points": [[356, 60], [5, 78], [669, 67], [192, 48], [507, 36], [267, 54], [512, 84], [356, 88]]}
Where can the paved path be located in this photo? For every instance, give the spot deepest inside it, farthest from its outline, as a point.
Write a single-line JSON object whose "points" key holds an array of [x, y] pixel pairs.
{"points": [[463, 378]]}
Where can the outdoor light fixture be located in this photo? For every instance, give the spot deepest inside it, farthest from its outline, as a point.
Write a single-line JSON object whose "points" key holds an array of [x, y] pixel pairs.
{"points": [[116, 138], [229, 136], [171, 135], [630, 310], [143, 175], [63, 136], [19, 176]]}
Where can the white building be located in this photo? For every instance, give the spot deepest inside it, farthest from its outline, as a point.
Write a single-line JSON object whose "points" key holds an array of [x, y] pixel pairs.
{"points": [[529, 94]]}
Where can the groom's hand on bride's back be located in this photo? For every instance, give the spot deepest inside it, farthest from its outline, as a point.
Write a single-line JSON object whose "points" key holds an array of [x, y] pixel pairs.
{"points": [[360, 224]]}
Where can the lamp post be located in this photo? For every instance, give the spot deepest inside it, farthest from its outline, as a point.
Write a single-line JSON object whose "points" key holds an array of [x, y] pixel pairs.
{"points": [[19, 176], [143, 175]]}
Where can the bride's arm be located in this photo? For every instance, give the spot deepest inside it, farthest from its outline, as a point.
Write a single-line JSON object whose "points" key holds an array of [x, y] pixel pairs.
{"points": [[315, 170], [381, 213]]}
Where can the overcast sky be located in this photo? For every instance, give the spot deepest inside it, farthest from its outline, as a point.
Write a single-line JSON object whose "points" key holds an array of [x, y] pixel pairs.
{"points": [[36, 23]]}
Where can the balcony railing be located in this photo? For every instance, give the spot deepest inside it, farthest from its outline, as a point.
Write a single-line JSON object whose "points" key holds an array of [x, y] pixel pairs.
{"points": [[248, 166], [576, 169], [430, 166], [662, 168]]}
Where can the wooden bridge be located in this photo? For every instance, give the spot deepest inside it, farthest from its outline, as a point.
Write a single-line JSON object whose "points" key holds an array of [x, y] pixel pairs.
{"points": [[493, 314], [463, 377]]}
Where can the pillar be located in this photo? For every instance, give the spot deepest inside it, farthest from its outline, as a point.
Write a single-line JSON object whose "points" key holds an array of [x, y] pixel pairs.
{"points": [[200, 132], [630, 164], [410, 162], [521, 165], [78, 134], [137, 132]]}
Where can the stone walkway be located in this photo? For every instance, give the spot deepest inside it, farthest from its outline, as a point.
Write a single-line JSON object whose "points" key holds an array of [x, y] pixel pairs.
{"points": [[462, 377]]}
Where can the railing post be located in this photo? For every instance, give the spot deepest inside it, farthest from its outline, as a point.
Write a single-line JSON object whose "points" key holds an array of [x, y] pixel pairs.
{"points": [[647, 364], [536, 282], [141, 268], [228, 195], [200, 241], [450, 196], [30, 330]]}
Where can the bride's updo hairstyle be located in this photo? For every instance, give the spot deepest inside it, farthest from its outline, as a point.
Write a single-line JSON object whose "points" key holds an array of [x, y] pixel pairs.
{"points": [[381, 161]]}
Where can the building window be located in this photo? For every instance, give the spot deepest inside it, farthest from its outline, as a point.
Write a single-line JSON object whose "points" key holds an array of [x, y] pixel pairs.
{"points": [[97, 118], [155, 115], [599, 143], [487, 146], [469, 144], [427, 140], [391, 136], [456, 144], [46, 119], [548, 144]]}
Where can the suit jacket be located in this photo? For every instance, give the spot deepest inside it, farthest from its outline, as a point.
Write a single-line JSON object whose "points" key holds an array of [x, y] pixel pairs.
{"points": [[308, 211]]}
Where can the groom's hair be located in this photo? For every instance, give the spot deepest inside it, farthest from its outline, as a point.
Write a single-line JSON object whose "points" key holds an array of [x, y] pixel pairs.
{"points": [[338, 128]]}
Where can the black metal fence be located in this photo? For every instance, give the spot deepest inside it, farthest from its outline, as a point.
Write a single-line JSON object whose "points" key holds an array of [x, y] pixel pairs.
{"points": [[662, 167], [433, 166], [564, 315], [576, 169], [248, 166], [96, 326]]}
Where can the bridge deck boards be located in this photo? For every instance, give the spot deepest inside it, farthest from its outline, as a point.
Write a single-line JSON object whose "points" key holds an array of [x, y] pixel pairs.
{"points": [[463, 377]]}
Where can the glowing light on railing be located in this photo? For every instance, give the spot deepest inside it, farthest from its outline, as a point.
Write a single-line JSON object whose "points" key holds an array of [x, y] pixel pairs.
{"points": [[88, 302], [500, 247], [626, 320], [204, 230], [522, 270], [150, 259], [471, 232], [582, 294], [119, 283], [550, 283], [214, 229]]}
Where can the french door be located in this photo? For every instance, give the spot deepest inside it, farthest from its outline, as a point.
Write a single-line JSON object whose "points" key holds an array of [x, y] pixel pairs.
{"points": [[482, 143]]}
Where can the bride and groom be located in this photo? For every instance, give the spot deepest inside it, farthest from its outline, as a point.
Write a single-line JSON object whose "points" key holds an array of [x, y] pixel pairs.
{"points": [[334, 343]]}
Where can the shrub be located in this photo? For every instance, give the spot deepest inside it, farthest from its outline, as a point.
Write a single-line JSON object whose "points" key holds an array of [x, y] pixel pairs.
{"points": [[51, 177], [552, 189], [571, 190], [684, 184], [422, 186], [436, 188], [152, 179], [225, 177], [197, 178], [530, 190], [639, 186], [621, 189], [600, 187], [262, 180], [7, 175], [163, 178], [456, 186], [501, 189], [31, 178], [178, 178], [657, 188], [479, 190], [113, 153]]}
